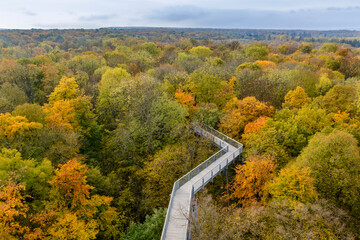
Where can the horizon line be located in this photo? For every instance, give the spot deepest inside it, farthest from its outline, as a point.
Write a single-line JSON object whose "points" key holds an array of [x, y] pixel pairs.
{"points": [[194, 28]]}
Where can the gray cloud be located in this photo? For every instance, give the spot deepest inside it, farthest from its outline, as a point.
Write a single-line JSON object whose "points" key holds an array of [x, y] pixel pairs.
{"points": [[296, 14], [179, 13], [28, 12], [97, 17], [350, 8], [343, 18]]}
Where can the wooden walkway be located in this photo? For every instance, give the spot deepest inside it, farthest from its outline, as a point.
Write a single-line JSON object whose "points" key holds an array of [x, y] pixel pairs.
{"points": [[177, 219]]}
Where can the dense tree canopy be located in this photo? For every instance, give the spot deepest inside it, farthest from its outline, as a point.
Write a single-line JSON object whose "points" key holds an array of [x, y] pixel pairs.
{"points": [[95, 129]]}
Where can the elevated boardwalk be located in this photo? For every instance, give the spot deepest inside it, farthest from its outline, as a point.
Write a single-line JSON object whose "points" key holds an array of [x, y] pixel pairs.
{"points": [[177, 218]]}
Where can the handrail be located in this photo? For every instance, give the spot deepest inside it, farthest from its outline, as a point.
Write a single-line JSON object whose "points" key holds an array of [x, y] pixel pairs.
{"points": [[187, 177], [222, 136], [222, 141], [166, 223], [213, 173]]}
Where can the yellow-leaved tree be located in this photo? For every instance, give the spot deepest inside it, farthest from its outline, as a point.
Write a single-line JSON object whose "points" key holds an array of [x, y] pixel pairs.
{"points": [[296, 98], [293, 183]]}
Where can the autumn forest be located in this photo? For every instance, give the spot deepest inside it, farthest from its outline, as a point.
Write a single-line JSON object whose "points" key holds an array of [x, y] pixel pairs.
{"points": [[95, 129]]}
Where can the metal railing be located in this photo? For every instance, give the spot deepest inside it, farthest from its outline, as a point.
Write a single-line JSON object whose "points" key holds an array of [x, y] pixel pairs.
{"points": [[221, 141], [216, 170], [222, 136]]}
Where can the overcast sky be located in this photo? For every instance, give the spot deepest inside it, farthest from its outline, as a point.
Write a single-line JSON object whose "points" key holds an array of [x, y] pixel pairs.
{"points": [[274, 14]]}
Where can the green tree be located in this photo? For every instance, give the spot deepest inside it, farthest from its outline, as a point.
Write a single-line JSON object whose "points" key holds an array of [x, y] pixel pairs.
{"points": [[279, 219], [151, 48], [33, 175], [328, 47], [33, 112], [265, 143], [201, 51], [257, 51], [11, 96], [110, 101], [142, 60], [249, 65], [335, 162], [150, 230], [87, 62], [311, 119], [204, 86], [27, 77], [208, 114], [169, 164], [339, 98], [114, 58], [188, 62], [306, 47]]}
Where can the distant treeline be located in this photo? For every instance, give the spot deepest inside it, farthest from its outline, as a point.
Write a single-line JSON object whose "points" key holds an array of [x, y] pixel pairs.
{"points": [[73, 38]]}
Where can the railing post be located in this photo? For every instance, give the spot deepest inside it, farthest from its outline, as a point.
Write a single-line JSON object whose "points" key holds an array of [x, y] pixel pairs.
{"points": [[203, 183], [212, 175]]}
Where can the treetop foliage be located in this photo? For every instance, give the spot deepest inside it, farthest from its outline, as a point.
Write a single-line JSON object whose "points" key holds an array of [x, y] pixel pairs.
{"points": [[95, 129]]}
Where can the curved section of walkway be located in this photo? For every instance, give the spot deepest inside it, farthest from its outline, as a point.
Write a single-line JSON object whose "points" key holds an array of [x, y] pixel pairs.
{"points": [[178, 213]]}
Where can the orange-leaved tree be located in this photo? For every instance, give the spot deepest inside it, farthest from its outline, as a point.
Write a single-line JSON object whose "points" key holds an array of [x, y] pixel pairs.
{"points": [[266, 64], [238, 113], [185, 99], [254, 126], [71, 212], [12, 210], [251, 178]]}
